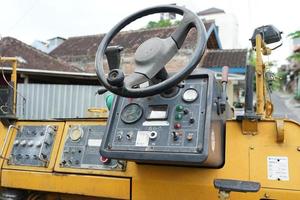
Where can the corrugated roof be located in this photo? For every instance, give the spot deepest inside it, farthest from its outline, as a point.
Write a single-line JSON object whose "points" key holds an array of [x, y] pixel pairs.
{"points": [[35, 59], [224, 57]]}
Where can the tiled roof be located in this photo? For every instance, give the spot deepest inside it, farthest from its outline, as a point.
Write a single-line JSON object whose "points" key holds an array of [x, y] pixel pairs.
{"points": [[130, 40], [224, 57], [34, 58]]}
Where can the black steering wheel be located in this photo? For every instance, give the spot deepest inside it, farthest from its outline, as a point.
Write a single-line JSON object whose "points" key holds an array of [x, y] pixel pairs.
{"points": [[152, 55]]}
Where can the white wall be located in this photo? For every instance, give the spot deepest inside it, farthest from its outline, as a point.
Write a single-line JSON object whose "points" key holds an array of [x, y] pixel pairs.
{"points": [[228, 29]]}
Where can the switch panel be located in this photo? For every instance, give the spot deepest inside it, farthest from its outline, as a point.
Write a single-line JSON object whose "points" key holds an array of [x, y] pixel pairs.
{"points": [[184, 129], [33, 146], [81, 149]]}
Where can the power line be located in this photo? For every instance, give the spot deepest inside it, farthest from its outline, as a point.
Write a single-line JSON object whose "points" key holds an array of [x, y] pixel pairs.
{"points": [[23, 16]]}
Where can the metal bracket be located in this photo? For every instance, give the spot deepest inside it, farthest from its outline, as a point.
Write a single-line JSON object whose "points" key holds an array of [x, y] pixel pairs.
{"points": [[279, 131], [223, 195], [249, 126], [41, 149], [5, 140]]}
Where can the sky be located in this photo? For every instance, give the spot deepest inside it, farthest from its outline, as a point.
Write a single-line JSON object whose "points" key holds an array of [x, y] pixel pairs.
{"points": [[29, 20]]}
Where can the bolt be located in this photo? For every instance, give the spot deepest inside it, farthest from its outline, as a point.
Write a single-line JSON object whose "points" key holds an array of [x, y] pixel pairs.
{"points": [[251, 148], [266, 195], [298, 148]]}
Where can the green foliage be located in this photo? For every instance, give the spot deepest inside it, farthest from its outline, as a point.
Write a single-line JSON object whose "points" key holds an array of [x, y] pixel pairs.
{"points": [[297, 97], [294, 57], [252, 58], [280, 80], [294, 35], [161, 23]]}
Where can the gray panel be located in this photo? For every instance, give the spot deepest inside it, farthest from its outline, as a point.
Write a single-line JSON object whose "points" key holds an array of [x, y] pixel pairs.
{"points": [[130, 136], [46, 101], [81, 149], [176, 139], [33, 146]]}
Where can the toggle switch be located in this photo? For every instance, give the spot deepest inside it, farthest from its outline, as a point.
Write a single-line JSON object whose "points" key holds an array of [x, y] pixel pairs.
{"points": [[175, 135]]}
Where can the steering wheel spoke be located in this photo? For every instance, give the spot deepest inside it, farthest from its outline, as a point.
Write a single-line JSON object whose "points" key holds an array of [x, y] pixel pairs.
{"points": [[134, 79], [183, 29]]}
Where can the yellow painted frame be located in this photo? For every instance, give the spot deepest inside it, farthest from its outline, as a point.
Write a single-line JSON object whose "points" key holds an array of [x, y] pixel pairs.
{"points": [[110, 187], [172, 182]]}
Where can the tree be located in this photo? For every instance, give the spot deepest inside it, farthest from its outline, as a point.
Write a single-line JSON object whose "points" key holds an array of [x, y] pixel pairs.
{"points": [[294, 35], [161, 23], [295, 56]]}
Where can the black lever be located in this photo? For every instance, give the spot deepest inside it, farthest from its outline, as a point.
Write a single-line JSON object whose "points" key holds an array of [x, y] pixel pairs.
{"points": [[101, 90], [113, 56], [226, 186]]}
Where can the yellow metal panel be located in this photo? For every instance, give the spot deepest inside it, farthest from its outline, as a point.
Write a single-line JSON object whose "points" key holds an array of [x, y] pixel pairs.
{"points": [[3, 132], [53, 155], [171, 182], [258, 166], [73, 184]]}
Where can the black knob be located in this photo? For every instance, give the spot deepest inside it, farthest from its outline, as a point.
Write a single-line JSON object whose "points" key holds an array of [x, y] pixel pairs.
{"points": [[116, 78], [185, 111], [192, 120]]}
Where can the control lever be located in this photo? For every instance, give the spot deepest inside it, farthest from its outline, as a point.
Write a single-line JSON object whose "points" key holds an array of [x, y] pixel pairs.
{"points": [[101, 90], [113, 56], [224, 88], [226, 186]]}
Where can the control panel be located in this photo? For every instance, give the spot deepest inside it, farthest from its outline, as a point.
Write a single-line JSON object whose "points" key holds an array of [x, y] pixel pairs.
{"points": [[183, 129], [33, 145], [81, 148]]}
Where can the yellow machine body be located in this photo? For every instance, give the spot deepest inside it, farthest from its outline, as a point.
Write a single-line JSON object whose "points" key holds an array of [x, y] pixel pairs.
{"points": [[248, 146], [246, 159]]}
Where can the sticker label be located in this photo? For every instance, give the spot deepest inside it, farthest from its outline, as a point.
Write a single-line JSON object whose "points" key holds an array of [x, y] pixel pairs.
{"points": [[94, 143], [278, 168], [142, 139]]}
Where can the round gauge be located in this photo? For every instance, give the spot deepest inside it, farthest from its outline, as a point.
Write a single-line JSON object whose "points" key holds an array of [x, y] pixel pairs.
{"points": [[75, 134], [190, 95], [131, 113]]}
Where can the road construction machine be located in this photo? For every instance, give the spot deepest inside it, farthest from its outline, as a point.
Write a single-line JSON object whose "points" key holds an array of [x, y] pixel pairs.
{"points": [[168, 136]]}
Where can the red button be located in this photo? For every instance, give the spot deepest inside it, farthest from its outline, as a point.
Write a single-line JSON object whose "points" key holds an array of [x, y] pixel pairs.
{"points": [[177, 125], [104, 160]]}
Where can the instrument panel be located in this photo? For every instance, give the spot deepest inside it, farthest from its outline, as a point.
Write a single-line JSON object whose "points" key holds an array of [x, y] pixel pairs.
{"points": [[80, 148], [183, 129]]}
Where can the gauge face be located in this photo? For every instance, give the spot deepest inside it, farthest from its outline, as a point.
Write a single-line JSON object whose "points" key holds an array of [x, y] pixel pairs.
{"points": [[131, 113], [190, 95], [75, 134]]}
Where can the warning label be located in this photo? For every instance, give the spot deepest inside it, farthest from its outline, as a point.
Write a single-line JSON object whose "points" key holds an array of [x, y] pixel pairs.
{"points": [[278, 168], [142, 139]]}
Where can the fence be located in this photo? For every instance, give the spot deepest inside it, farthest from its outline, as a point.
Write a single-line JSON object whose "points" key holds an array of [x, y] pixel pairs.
{"points": [[46, 101]]}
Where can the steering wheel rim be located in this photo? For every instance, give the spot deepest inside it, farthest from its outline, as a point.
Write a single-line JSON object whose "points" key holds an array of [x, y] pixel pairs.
{"points": [[193, 21]]}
